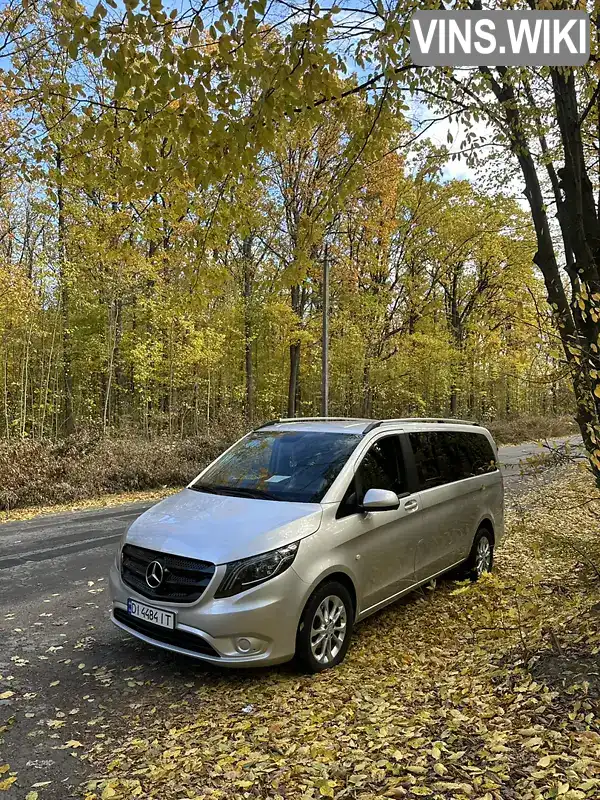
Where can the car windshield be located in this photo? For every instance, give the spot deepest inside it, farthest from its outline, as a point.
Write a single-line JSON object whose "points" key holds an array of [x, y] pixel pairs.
{"points": [[296, 466]]}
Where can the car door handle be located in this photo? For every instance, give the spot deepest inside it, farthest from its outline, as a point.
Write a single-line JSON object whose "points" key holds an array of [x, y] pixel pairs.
{"points": [[411, 505]]}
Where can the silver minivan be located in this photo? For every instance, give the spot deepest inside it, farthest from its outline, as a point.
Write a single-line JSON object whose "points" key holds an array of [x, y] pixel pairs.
{"points": [[303, 528]]}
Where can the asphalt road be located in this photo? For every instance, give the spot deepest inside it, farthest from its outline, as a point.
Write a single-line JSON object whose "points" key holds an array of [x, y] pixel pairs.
{"points": [[515, 459], [68, 678]]}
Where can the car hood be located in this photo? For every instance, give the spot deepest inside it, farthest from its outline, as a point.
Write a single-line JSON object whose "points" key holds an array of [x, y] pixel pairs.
{"points": [[221, 528]]}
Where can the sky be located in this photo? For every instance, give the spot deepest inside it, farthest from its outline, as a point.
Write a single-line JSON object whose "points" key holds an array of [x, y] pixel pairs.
{"points": [[459, 169]]}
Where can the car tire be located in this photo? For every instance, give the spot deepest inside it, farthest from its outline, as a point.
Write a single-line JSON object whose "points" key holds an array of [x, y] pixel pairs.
{"points": [[481, 558], [329, 613]]}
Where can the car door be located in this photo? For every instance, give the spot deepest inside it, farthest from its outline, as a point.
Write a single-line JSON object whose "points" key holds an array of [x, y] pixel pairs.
{"points": [[480, 490], [440, 472], [382, 542]]}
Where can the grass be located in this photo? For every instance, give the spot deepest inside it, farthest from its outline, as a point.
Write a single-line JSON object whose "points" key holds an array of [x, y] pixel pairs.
{"points": [[40, 474], [456, 694], [91, 503], [531, 429]]}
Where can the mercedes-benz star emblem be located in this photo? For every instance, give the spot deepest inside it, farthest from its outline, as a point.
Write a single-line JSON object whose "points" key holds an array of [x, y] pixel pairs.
{"points": [[154, 574]]}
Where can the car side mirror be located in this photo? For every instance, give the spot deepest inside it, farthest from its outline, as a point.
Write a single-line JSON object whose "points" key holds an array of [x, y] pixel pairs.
{"points": [[380, 500]]}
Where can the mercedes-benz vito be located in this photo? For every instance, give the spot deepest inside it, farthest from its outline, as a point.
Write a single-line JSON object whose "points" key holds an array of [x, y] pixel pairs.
{"points": [[303, 528]]}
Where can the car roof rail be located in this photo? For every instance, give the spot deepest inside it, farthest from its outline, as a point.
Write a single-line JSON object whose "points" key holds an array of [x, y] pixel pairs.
{"points": [[309, 419], [376, 423], [440, 420], [267, 423]]}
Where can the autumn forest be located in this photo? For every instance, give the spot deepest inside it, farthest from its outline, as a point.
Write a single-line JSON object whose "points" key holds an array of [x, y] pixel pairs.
{"points": [[162, 260], [214, 213]]}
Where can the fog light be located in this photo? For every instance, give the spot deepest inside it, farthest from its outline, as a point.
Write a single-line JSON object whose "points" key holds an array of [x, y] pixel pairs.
{"points": [[243, 645]]}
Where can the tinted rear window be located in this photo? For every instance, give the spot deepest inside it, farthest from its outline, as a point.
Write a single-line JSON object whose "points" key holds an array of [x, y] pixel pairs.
{"points": [[447, 456], [429, 467], [479, 452]]}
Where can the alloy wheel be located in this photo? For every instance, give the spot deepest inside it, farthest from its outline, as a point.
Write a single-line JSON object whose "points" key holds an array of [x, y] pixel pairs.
{"points": [[328, 629], [483, 556]]}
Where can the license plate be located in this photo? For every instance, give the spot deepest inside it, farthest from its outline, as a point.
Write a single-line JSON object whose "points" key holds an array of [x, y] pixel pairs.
{"points": [[166, 619]]}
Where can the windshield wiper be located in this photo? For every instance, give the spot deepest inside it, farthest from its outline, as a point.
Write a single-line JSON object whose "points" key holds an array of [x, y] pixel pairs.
{"points": [[256, 494], [235, 491], [206, 487]]}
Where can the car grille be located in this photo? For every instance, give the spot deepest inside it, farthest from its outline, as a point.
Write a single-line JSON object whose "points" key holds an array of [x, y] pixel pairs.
{"points": [[184, 581], [177, 638]]}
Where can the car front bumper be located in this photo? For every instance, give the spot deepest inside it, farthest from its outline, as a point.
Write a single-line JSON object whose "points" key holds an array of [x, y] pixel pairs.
{"points": [[210, 629]]}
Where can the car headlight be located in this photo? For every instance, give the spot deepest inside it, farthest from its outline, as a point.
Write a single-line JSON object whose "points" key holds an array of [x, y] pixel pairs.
{"points": [[248, 572]]}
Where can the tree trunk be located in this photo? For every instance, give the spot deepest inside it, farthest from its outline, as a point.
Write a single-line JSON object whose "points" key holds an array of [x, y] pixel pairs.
{"points": [[575, 340], [579, 223], [5, 390], [457, 333], [248, 367], [325, 338], [453, 400], [111, 364], [367, 398], [120, 376], [472, 403], [69, 420], [293, 384]]}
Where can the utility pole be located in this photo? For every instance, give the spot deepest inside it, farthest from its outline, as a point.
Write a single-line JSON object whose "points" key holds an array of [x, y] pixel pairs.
{"points": [[325, 338]]}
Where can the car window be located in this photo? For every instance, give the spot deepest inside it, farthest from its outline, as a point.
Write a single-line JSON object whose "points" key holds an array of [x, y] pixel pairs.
{"points": [[448, 456], [452, 462], [455, 462], [468, 453], [429, 465], [297, 466], [382, 467], [479, 453]]}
